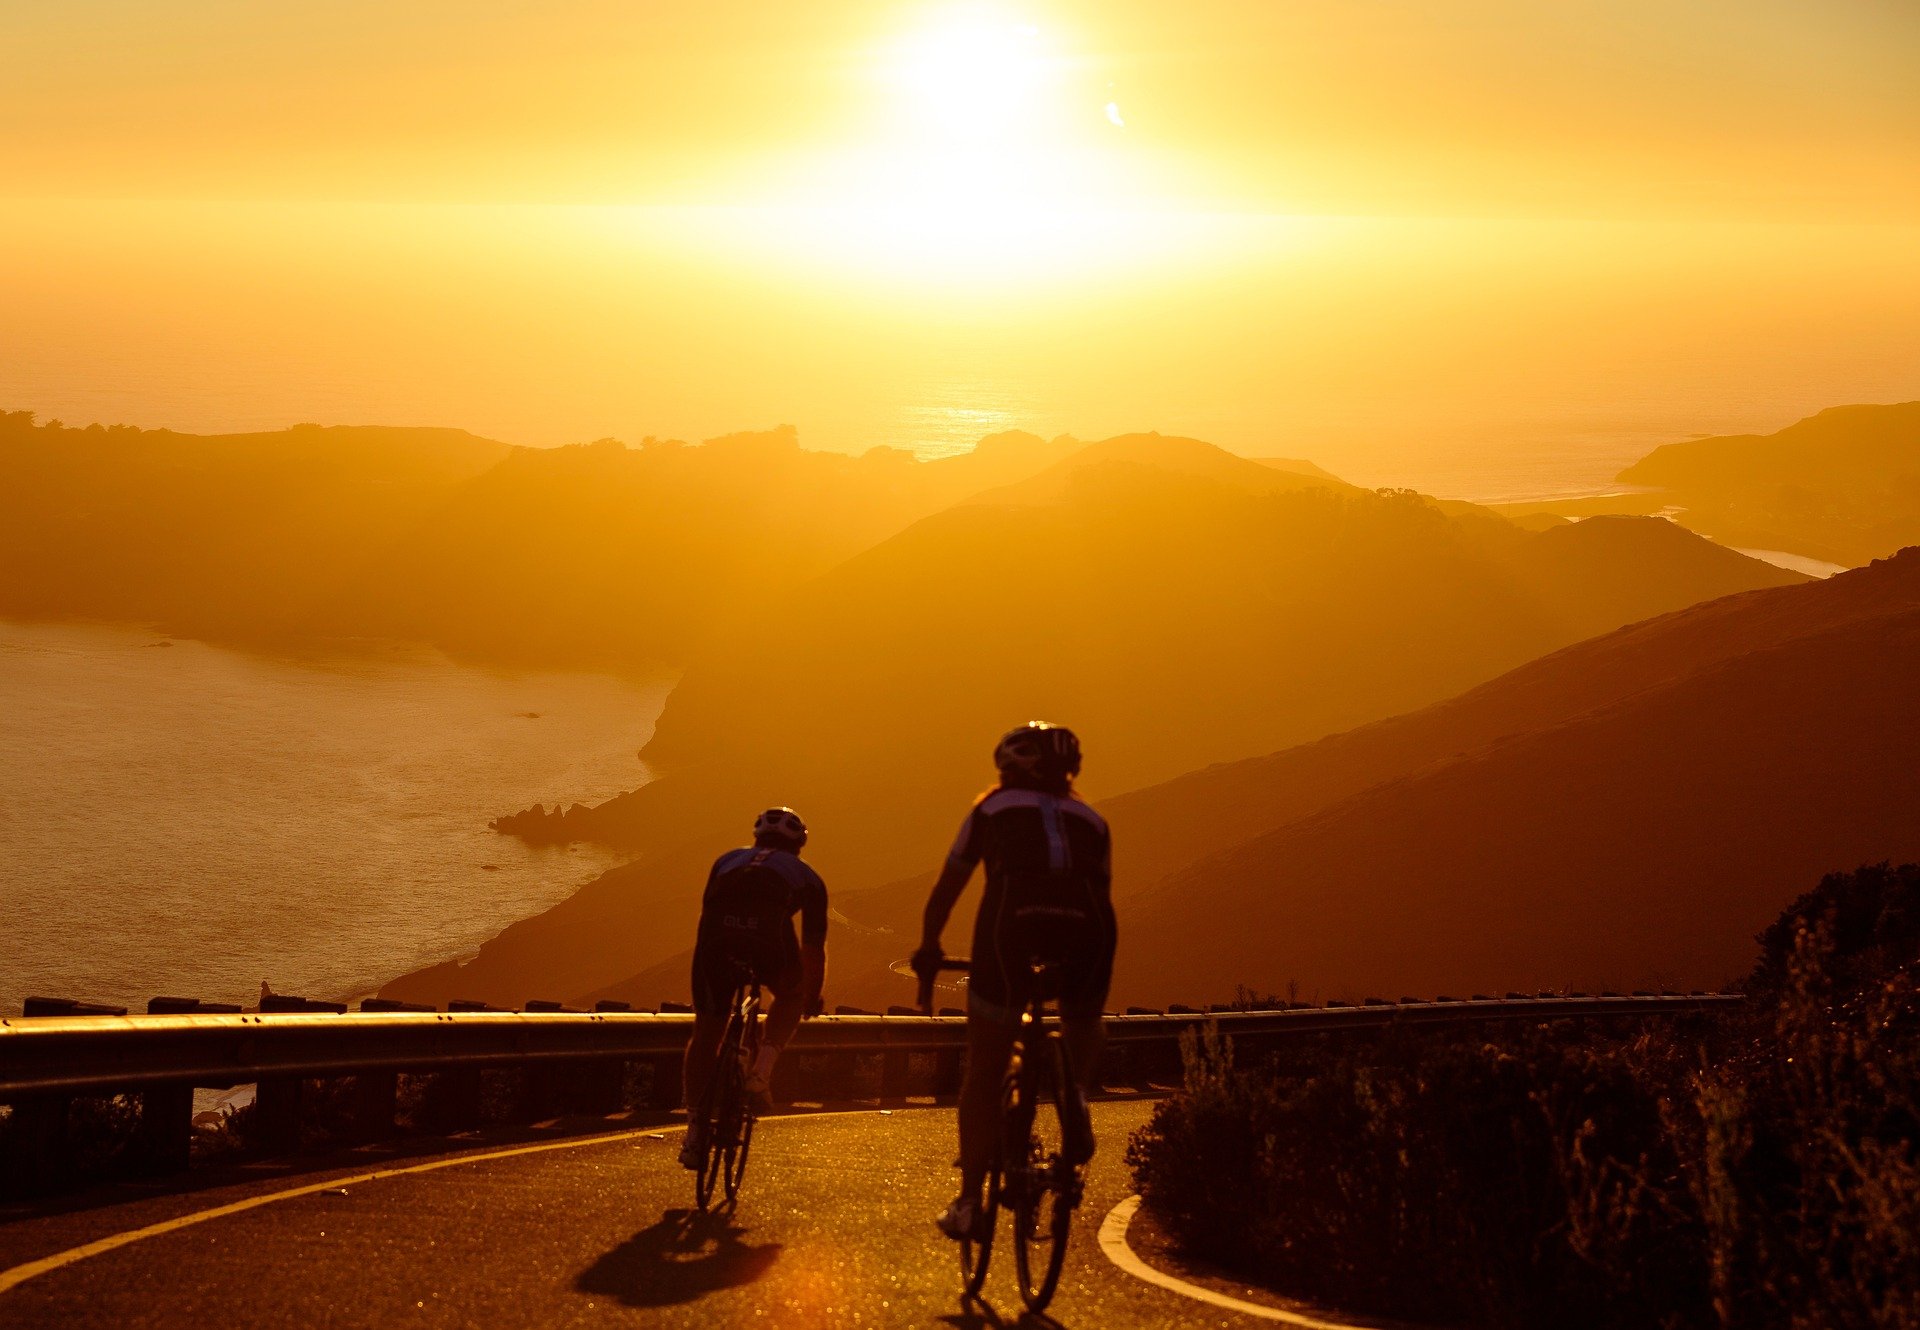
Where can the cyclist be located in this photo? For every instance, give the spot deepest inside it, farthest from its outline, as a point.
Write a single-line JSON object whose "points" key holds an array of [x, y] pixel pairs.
{"points": [[1048, 896], [746, 915]]}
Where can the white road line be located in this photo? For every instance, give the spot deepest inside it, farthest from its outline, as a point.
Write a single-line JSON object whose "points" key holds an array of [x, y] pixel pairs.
{"points": [[1113, 1241], [20, 1274]]}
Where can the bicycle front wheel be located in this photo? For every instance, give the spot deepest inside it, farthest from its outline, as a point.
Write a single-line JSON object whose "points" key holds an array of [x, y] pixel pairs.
{"points": [[1047, 1188], [976, 1252]]}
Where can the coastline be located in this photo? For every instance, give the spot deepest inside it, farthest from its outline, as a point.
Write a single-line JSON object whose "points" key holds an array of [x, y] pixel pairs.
{"points": [[194, 819]]}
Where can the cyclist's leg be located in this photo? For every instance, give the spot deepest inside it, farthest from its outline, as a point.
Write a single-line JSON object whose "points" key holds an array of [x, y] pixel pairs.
{"points": [[989, 1046], [781, 975], [789, 1004], [702, 1052], [1086, 976]]}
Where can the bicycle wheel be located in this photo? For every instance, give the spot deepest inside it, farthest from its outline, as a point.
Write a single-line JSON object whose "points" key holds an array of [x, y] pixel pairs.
{"points": [[976, 1253], [735, 1167], [1049, 1187], [723, 1090]]}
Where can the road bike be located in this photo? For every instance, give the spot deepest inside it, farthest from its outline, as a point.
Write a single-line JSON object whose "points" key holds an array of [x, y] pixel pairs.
{"points": [[725, 1114], [1032, 1174]]}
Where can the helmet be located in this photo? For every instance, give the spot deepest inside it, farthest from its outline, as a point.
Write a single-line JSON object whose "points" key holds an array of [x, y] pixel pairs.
{"points": [[780, 824], [1038, 751]]}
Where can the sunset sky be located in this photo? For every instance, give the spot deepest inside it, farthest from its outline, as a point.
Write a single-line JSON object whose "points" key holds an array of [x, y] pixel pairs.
{"points": [[948, 193], [1504, 107]]}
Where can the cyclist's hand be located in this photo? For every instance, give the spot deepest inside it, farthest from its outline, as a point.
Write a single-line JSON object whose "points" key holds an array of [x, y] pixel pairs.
{"points": [[926, 961], [816, 1006]]}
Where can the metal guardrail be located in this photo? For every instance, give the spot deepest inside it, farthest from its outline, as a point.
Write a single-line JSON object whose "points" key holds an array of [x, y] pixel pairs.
{"points": [[580, 1059], [82, 1055]]}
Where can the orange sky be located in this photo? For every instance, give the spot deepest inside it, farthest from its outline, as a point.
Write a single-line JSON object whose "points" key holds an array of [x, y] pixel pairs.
{"points": [[1403, 238], [1583, 107]]}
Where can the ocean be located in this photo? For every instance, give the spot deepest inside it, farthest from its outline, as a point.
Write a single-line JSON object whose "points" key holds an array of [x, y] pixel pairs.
{"points": [[178, 818]]}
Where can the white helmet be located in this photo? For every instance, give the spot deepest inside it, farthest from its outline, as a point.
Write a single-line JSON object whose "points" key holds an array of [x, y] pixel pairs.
{"points": [[780, 824]]}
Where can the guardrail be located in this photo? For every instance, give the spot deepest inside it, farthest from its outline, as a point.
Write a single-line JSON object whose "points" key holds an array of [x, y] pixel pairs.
{"points": [[581, 1060]]}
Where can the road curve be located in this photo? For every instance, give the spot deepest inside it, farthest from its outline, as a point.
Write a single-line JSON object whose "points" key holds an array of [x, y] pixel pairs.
{"points": [[834, 1229]]}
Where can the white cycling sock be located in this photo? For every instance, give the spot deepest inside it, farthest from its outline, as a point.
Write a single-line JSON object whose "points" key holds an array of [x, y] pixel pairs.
{"points": [[763, 1062]]}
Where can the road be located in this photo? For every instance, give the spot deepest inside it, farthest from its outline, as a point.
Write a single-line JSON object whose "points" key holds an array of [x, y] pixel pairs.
{"points": [[834, 1228]]}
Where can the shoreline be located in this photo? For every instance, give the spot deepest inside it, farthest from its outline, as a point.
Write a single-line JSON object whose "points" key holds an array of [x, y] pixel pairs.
{"points": [[192, 820]]}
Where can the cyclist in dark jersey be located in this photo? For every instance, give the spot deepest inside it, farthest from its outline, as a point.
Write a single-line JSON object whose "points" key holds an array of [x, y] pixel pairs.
{"points": [[1048, 897], [746, 916]]}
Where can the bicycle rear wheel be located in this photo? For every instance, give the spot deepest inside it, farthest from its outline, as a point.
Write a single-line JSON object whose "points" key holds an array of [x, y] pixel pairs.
{"points": [[1048, 1188], [718, 1106], [740, 1138]]}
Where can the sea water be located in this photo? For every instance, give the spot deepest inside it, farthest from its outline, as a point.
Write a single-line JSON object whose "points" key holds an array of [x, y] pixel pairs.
{"points": [[180, 818]]}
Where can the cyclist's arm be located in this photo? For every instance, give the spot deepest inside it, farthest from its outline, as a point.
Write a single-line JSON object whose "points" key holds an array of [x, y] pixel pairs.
{"points": [[813, 941], [946, 892], [961, 861]]}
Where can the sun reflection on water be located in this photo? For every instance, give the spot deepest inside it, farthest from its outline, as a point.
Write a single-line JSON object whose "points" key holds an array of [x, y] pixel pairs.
{"points": [[951, 416]]}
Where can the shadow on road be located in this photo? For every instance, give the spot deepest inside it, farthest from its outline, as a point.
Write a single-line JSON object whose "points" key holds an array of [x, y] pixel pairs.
{"points": [[685, 1256], [974, 1314]]}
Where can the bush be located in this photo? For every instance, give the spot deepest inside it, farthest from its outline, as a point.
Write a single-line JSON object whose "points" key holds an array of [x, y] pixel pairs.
{"points": [[1751, 1170]]}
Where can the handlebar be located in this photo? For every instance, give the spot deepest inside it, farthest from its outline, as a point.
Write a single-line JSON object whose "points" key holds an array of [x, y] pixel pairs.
{"points": [[959, 964]]}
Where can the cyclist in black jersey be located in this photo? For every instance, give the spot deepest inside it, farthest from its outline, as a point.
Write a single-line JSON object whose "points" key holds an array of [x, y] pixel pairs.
{"points": [[746, 915], [1048, 897]]}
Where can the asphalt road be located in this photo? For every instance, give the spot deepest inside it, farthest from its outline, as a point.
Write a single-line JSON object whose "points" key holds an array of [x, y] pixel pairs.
{"points": [[834, 1228]]}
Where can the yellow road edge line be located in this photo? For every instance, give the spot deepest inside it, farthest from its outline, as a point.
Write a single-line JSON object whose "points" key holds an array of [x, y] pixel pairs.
{"points": [[20, 1274], [1113, 1242]]}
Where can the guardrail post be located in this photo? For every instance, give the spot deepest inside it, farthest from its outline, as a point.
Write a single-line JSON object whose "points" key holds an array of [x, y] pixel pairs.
{"points": [[666, 1093], [452, 1101], [276, 1113], [603, 1084], [166, 1128], [805, 1077], [839, 1075], [376, 1096], [949, 1068], [539, 1092], [43, 1143], [896, 1074]]}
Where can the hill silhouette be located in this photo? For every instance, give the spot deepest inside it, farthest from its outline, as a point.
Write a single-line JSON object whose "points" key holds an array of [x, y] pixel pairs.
{"points": [[1842, 486], [597, 554], [1194, 607], [1647, 844], [231, 536], [607, 553], [1629, 809]]}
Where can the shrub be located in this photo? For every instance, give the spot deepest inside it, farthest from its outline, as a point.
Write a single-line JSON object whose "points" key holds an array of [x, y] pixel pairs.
{"points": [[1755, 1170]]}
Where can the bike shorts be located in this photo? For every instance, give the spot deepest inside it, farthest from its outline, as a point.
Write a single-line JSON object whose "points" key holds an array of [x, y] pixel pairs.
{"points": [[1079, 944], [775, 965]]}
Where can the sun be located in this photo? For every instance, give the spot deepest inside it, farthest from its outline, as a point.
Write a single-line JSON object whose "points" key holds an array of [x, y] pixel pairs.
{"points": [[990, 149], [973, 74]]}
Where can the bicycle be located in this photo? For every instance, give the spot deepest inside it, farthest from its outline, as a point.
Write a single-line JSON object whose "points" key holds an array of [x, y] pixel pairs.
{"points": [[1030, 1174], [725, 1113]]}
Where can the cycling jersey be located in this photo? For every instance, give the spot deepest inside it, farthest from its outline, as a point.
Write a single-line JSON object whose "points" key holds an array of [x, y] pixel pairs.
{"points": [[1048, 896], [746, 915]]}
